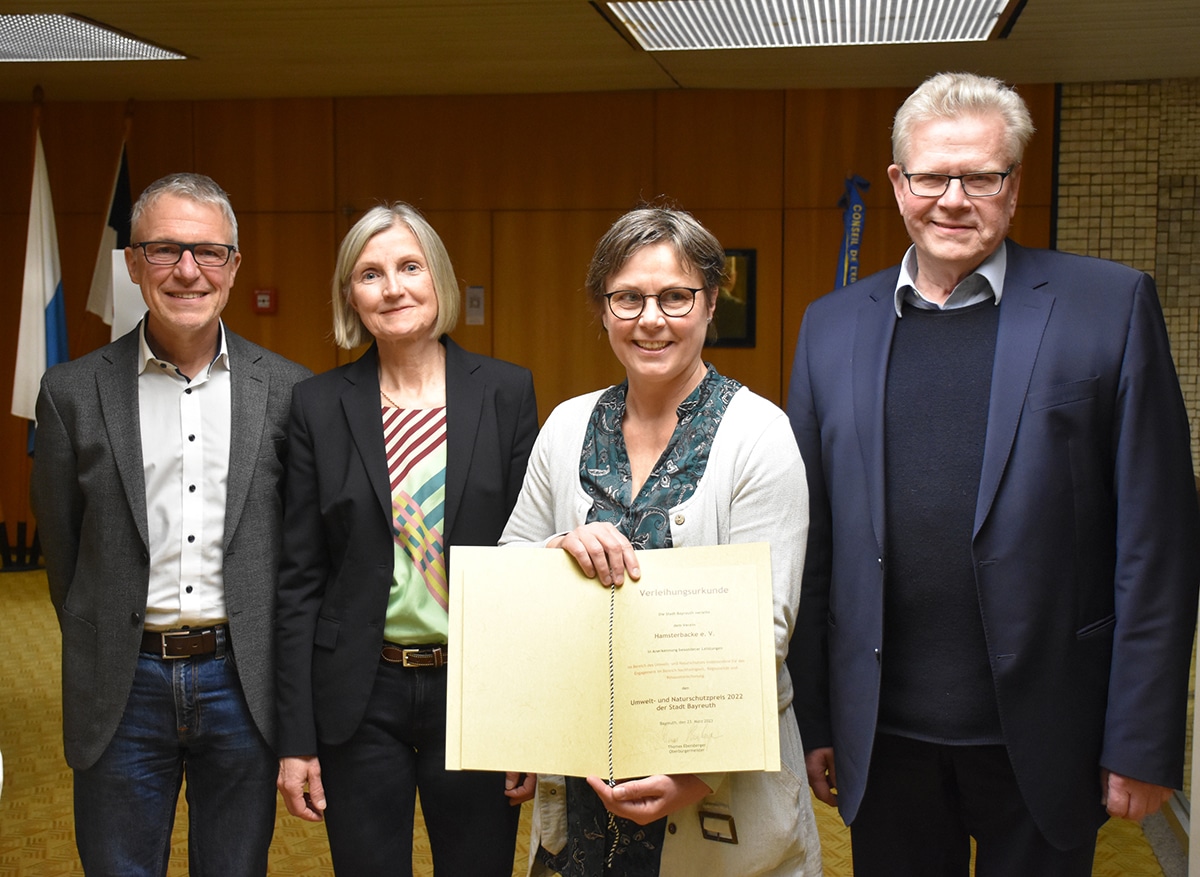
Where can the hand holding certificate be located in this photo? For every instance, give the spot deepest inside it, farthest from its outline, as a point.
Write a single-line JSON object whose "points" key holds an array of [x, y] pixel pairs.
{"points": [[693, 686]]}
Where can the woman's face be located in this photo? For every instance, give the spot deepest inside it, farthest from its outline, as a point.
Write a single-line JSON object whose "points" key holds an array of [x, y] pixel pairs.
{"points": [[653, 347], [391, 288]]}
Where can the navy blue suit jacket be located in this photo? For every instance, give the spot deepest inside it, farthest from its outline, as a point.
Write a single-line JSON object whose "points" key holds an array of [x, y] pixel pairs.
{"points": [[338, 552], [1084, 541]]}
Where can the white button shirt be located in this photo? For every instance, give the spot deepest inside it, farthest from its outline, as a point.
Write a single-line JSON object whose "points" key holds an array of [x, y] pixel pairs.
{"points": [[185, 453]]}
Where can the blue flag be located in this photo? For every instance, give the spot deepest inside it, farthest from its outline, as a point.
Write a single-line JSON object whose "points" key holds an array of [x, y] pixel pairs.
{"points": [[854, 221]]}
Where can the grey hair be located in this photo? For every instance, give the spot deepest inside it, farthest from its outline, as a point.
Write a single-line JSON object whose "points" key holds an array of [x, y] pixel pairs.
{"points": [[348, 329], [953, 95], [195, 187]]}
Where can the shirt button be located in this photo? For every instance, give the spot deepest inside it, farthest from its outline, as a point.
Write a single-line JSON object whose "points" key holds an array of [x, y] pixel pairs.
{"points": [[188, 589], [192, 437], [191, 538], [671, 828], [679, 519], [188, 391], [191, 488]]}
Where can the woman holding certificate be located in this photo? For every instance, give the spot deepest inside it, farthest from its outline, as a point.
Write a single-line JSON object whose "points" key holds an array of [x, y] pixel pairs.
{"points": [[416, 446], [676, 455]]}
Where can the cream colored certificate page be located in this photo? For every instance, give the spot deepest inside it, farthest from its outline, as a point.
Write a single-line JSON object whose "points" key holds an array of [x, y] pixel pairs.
{"points": [[694, 667]]}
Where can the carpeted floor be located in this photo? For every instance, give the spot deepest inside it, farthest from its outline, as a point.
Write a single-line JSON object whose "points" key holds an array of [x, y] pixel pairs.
{"points": [[36, 834]]}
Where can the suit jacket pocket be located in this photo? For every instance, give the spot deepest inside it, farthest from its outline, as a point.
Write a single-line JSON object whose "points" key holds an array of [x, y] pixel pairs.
{"points": [[326, 635], [1097, 627], [1075, 391]]}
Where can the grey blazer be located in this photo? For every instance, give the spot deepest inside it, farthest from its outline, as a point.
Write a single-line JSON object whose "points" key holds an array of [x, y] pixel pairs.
{"points": [[88, 493]]}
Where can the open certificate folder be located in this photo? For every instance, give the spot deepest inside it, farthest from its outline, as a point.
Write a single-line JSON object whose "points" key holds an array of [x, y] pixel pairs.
{"points": [[693, 678]]}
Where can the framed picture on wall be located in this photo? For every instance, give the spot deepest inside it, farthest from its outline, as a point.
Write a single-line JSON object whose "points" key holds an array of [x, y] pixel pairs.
{"points": [[734, 321]]}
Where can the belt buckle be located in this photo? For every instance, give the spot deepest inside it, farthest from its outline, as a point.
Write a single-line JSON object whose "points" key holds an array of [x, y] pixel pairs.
{"points": [[173, 634], [433, 657]]}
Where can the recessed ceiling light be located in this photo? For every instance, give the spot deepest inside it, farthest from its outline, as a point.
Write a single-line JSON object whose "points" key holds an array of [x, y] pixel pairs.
{"points": [[72, 38], [666, 25]]}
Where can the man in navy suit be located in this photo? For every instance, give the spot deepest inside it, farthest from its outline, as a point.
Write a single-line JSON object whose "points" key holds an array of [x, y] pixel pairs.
{"points": [[1000, 592]]}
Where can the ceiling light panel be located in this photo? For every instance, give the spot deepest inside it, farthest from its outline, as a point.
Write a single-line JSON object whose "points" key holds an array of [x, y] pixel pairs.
{"points": [[666, 25], [72, 38]]}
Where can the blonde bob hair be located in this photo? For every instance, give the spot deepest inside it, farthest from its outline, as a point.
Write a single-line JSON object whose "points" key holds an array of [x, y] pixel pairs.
{"points": [[348, 329]]}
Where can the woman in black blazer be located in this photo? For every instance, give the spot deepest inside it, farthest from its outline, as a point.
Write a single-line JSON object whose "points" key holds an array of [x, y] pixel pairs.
{"points": [[416, 446]]}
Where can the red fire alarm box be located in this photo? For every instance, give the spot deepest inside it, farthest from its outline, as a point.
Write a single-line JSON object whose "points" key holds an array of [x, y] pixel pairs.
{"points": [[265, 301]]}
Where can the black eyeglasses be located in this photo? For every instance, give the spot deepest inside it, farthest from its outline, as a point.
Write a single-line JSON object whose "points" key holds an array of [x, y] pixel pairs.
{"points": [[626, 304], [170, 252], [977, 185]]}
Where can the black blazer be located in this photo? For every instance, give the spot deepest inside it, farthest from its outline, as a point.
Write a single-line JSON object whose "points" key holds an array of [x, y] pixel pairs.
{"points": [[336, 571], [1084, 539]]}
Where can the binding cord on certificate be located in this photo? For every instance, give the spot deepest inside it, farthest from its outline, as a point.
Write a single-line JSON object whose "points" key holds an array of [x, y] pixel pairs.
{"points": [[613, 830]]}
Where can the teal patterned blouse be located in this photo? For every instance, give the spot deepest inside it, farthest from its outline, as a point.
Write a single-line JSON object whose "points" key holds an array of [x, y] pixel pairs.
{"points": [[604, 469]]}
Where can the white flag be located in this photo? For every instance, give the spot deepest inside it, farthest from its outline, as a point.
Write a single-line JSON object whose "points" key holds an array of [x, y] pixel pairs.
{"points": [[42, 341]]}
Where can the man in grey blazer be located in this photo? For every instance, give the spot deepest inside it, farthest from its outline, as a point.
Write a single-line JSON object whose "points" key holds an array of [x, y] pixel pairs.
{"points": [[157, 485]]}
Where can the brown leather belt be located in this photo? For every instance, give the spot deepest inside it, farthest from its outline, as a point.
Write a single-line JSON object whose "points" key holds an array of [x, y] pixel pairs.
{"points": [[414, 656], [174, 644]]}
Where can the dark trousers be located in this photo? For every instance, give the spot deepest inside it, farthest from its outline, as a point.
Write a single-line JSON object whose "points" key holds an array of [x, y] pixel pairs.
{"points": [[371, 782], [924, 802]]}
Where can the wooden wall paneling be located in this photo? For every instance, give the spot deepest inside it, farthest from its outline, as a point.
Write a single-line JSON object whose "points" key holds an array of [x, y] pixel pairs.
{"points": [[810, 246], [269, 155], [543, 319], [830, 134], [82, 142], [571, 151], [16, 156], [14, 470], [760, 230], [160, 142], [294, 253], [1037, 171], [495, 152], [719, 149], [78, 245], [414, 149], [467, 235], [1031, 226]]}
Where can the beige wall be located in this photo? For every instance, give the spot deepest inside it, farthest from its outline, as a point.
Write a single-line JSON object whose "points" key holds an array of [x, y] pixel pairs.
{"points": [[520, 188]]}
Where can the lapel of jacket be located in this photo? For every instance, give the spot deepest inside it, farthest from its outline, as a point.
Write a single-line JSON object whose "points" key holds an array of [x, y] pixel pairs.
{"points": [[117, 388], [464, 405], [875, 322], [1024, 312], [361, 406], [248, 389]]}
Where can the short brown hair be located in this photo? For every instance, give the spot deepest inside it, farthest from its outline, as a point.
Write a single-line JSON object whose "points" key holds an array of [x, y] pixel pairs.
{"points": [[694, 246]]}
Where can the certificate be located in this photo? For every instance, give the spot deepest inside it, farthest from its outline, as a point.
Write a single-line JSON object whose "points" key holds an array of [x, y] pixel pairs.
{"points": [[692, 687]]}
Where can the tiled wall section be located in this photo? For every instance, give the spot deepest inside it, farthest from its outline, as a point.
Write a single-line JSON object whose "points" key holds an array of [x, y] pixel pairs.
{"points": [[1129, 190]]}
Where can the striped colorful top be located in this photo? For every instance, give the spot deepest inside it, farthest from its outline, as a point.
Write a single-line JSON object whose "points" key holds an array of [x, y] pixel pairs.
{"points": [[416, 450]]}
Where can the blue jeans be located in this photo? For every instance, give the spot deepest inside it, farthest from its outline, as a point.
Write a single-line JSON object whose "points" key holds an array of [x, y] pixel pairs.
{"points": [[183, 716], [372, 779]]}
